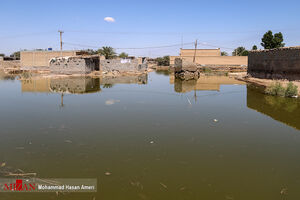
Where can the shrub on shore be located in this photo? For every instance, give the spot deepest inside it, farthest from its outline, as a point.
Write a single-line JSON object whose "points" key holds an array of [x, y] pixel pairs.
{"points": [[291, 90], [276, 89]]}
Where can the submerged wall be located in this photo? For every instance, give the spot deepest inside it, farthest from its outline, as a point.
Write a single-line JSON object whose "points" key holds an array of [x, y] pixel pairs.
{"points": [[282, 63]]}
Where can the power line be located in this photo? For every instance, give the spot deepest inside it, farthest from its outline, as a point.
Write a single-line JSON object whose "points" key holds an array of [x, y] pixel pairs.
{"points": [[152, 47], [26, 34]]}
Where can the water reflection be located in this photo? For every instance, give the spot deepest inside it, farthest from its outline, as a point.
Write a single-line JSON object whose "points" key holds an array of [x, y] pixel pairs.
{"points": [[285, 110], [212, 83], [164, 72], [78, 85], [70, 85]]}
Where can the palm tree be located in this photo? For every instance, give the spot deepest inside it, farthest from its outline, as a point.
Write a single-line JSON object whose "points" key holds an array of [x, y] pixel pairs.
{"points": [[108, 52]]}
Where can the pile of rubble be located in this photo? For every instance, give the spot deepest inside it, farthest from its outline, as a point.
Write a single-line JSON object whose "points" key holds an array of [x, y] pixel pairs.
{"points": [[186, 70]]}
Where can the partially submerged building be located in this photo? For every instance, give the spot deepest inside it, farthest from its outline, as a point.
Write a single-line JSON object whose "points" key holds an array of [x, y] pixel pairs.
{"points": [[209, 57], [74, 64]]}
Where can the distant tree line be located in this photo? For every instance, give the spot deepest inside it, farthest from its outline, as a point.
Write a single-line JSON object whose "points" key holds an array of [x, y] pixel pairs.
{"points": [[107, 52], [269, 41]]}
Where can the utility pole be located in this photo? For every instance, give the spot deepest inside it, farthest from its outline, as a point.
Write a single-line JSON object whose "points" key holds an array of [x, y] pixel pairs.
{"points": [[181, 41], [195, 51], [61, 43]]}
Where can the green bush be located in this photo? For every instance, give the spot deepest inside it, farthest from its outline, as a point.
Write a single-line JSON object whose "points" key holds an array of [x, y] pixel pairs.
{"points": [[291, 90], [275, 89], [278, 90], [163, 61]]}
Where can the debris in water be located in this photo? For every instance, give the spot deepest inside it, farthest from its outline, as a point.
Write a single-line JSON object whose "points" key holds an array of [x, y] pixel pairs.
{"points": [[215, 120], [182, 188], [107, 173], [111, 102], [68, 141], [3, 164], [189, 100], [20, 148], [283, 191], [151, 142], [163, 185]]}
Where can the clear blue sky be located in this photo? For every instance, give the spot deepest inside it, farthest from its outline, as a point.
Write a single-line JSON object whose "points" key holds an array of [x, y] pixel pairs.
{"points": [[33, 24]]}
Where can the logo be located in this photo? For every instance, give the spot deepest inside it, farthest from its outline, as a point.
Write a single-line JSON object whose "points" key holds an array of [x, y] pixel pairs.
{"points": [[19, 186], [48, 185]]}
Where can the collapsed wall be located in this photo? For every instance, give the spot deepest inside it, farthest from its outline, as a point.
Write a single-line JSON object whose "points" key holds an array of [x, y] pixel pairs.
{"points": [[74, 65], [281, 63]]}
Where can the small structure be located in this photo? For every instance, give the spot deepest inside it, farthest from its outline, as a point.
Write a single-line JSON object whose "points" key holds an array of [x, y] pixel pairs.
{"points": [[281, 63], [74, 65]]}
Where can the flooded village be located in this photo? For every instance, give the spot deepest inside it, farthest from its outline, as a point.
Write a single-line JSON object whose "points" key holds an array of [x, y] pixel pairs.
{"points": [[123, 114]]}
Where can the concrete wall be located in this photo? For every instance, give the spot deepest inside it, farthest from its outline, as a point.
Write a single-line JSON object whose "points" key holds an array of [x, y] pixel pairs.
{"points": [[74, 65], [282, 63], [41, 58], [123, 65], [214, 60], [200, 52]]}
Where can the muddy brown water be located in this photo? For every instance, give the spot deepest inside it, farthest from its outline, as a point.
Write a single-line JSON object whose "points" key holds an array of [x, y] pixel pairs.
{"points": [[152, 137]]}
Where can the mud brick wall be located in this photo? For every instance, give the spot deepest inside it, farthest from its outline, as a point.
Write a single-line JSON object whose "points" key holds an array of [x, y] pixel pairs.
{"points": [[134, 65], [73, 65], [9, 64], [282, 63]]}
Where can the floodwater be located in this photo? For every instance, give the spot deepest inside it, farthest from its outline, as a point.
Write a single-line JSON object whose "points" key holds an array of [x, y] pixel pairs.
{"points": [[152, 137]]}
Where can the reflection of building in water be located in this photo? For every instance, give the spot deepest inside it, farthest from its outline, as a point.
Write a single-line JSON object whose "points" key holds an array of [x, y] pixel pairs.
{"points": [[78, 85], [133, 79], [203, 83], [74, 85], [285, 110], [36, 85]]}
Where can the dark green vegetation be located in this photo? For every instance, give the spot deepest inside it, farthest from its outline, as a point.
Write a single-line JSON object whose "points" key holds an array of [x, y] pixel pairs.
{"points": [[240, 51], [107, 52], [270, 41], [254, 47], [277, 89], [224, 53], [123, 55], [163, 61]]}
